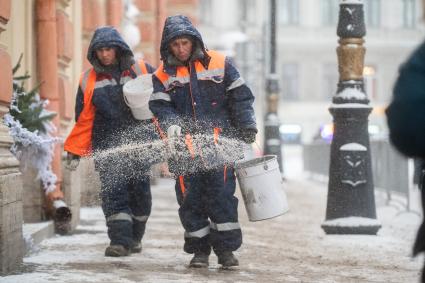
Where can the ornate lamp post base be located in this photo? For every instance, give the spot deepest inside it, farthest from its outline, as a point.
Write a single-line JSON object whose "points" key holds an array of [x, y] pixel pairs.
{"points": [[351, 201]]}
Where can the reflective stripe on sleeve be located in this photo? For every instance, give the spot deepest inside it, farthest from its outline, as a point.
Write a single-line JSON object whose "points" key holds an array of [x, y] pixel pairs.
{"points": [[160, 96], [119, 216], [84, 80], [125, 79], [225, 226], [104, 83], [182, 80], [237, 83], [209, 74], [198, 233], [137, 69]]}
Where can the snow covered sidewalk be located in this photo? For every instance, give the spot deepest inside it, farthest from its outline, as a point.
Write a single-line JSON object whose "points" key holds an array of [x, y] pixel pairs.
{"points": [[289, 248]]}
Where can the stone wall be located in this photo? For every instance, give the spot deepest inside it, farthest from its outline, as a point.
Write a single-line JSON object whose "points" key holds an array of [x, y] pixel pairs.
{"points": [[33, 197], [11, 218], [90, 183], [72, 193]]}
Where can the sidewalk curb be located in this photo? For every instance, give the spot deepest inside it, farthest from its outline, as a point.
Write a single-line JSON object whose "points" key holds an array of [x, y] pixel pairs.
{"points": [[35, 233]]}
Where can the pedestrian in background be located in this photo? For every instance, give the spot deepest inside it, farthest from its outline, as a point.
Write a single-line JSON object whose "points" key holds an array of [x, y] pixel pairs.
{"points": [[200, 91], [406, 122], [102, 117]]}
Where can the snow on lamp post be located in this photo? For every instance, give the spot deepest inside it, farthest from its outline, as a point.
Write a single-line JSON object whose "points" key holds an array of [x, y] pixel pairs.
{"points": [[351, 202]]}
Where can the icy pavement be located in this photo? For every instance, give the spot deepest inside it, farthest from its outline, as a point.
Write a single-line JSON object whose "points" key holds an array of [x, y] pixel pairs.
{"points": [[289, 248]]}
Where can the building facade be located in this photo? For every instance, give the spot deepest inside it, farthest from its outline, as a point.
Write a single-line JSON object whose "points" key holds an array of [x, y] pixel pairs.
{"points": [[53, 37], [306, 56]]}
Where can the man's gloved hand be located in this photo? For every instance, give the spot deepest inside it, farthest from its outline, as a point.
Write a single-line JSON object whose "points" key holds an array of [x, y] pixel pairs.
{"points": [[72, 161], [247, 135], [174, 131]]}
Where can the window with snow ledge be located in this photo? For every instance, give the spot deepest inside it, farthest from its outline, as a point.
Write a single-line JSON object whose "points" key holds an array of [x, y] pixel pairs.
{"points": [[372, 12], [247, 12], [206, 12], [288, 12], [330, 11], [409, 14]]}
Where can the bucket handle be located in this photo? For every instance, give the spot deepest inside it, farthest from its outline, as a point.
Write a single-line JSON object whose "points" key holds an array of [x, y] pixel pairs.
{"points": [[126, 101], [265, 166]]}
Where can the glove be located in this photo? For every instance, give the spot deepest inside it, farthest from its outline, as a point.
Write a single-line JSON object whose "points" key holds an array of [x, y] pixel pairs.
{"points": [[174, 131], [248, 135], [72, 161]]}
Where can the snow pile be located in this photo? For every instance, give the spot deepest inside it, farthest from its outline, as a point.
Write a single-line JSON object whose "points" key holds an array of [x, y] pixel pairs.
{"points": [[351, 2], [352, 93], [353, 147], [350, 105], [34, 149], [352, 221]]}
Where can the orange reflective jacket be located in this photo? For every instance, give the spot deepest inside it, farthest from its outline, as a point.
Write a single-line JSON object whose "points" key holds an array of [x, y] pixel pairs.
{"points": [[215, 70], [80, 139]]}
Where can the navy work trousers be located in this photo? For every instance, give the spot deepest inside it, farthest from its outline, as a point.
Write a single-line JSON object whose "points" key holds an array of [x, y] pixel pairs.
{"points": [[208, 211], [126, 203]]}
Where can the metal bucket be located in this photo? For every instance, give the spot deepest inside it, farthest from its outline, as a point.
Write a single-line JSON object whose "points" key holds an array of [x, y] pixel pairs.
{"points": [[137, 93], [260, 182]]}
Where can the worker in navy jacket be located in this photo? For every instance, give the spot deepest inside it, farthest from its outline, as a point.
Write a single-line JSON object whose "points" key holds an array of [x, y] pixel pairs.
{"points": [[200, 91], [105, 122]]}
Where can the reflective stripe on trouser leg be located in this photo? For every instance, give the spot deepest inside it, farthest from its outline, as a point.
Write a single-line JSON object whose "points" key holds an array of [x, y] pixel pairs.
{"points": [[114, 195], [120, 229], [198, 233], [193, 216], [225, 226], [140, 202], [197, 241], [139, 227], [222, 206], [119, 216]]}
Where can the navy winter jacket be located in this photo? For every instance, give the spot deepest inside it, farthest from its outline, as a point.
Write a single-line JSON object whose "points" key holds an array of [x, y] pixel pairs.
{"points": [[112, 115], [201, 94]]}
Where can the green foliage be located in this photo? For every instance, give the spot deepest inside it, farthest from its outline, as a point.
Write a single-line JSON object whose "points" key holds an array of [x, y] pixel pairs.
{"points": [[27, 107]]}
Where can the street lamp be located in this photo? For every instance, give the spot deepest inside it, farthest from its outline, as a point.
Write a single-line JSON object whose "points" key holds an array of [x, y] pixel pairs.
{"points": [[272, 142], [351, 202]]}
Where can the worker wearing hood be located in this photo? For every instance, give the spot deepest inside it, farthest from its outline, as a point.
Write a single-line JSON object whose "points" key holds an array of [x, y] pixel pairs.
{"points": [[200, 91], [102, 119]]}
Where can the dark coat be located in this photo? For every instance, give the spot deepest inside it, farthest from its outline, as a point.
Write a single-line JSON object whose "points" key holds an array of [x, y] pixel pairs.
{"points": [[406, 118], [198, 105], [406, 113], [112, 116]]}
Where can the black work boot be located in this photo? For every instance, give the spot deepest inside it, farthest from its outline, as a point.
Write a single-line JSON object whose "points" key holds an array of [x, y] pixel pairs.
{"points": [[227, 259], [136, 248], [199, 260], [117, 251]]}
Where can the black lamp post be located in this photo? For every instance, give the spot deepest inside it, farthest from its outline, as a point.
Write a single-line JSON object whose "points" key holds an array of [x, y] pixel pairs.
{"points": [[272, 142], [351, 202]]}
